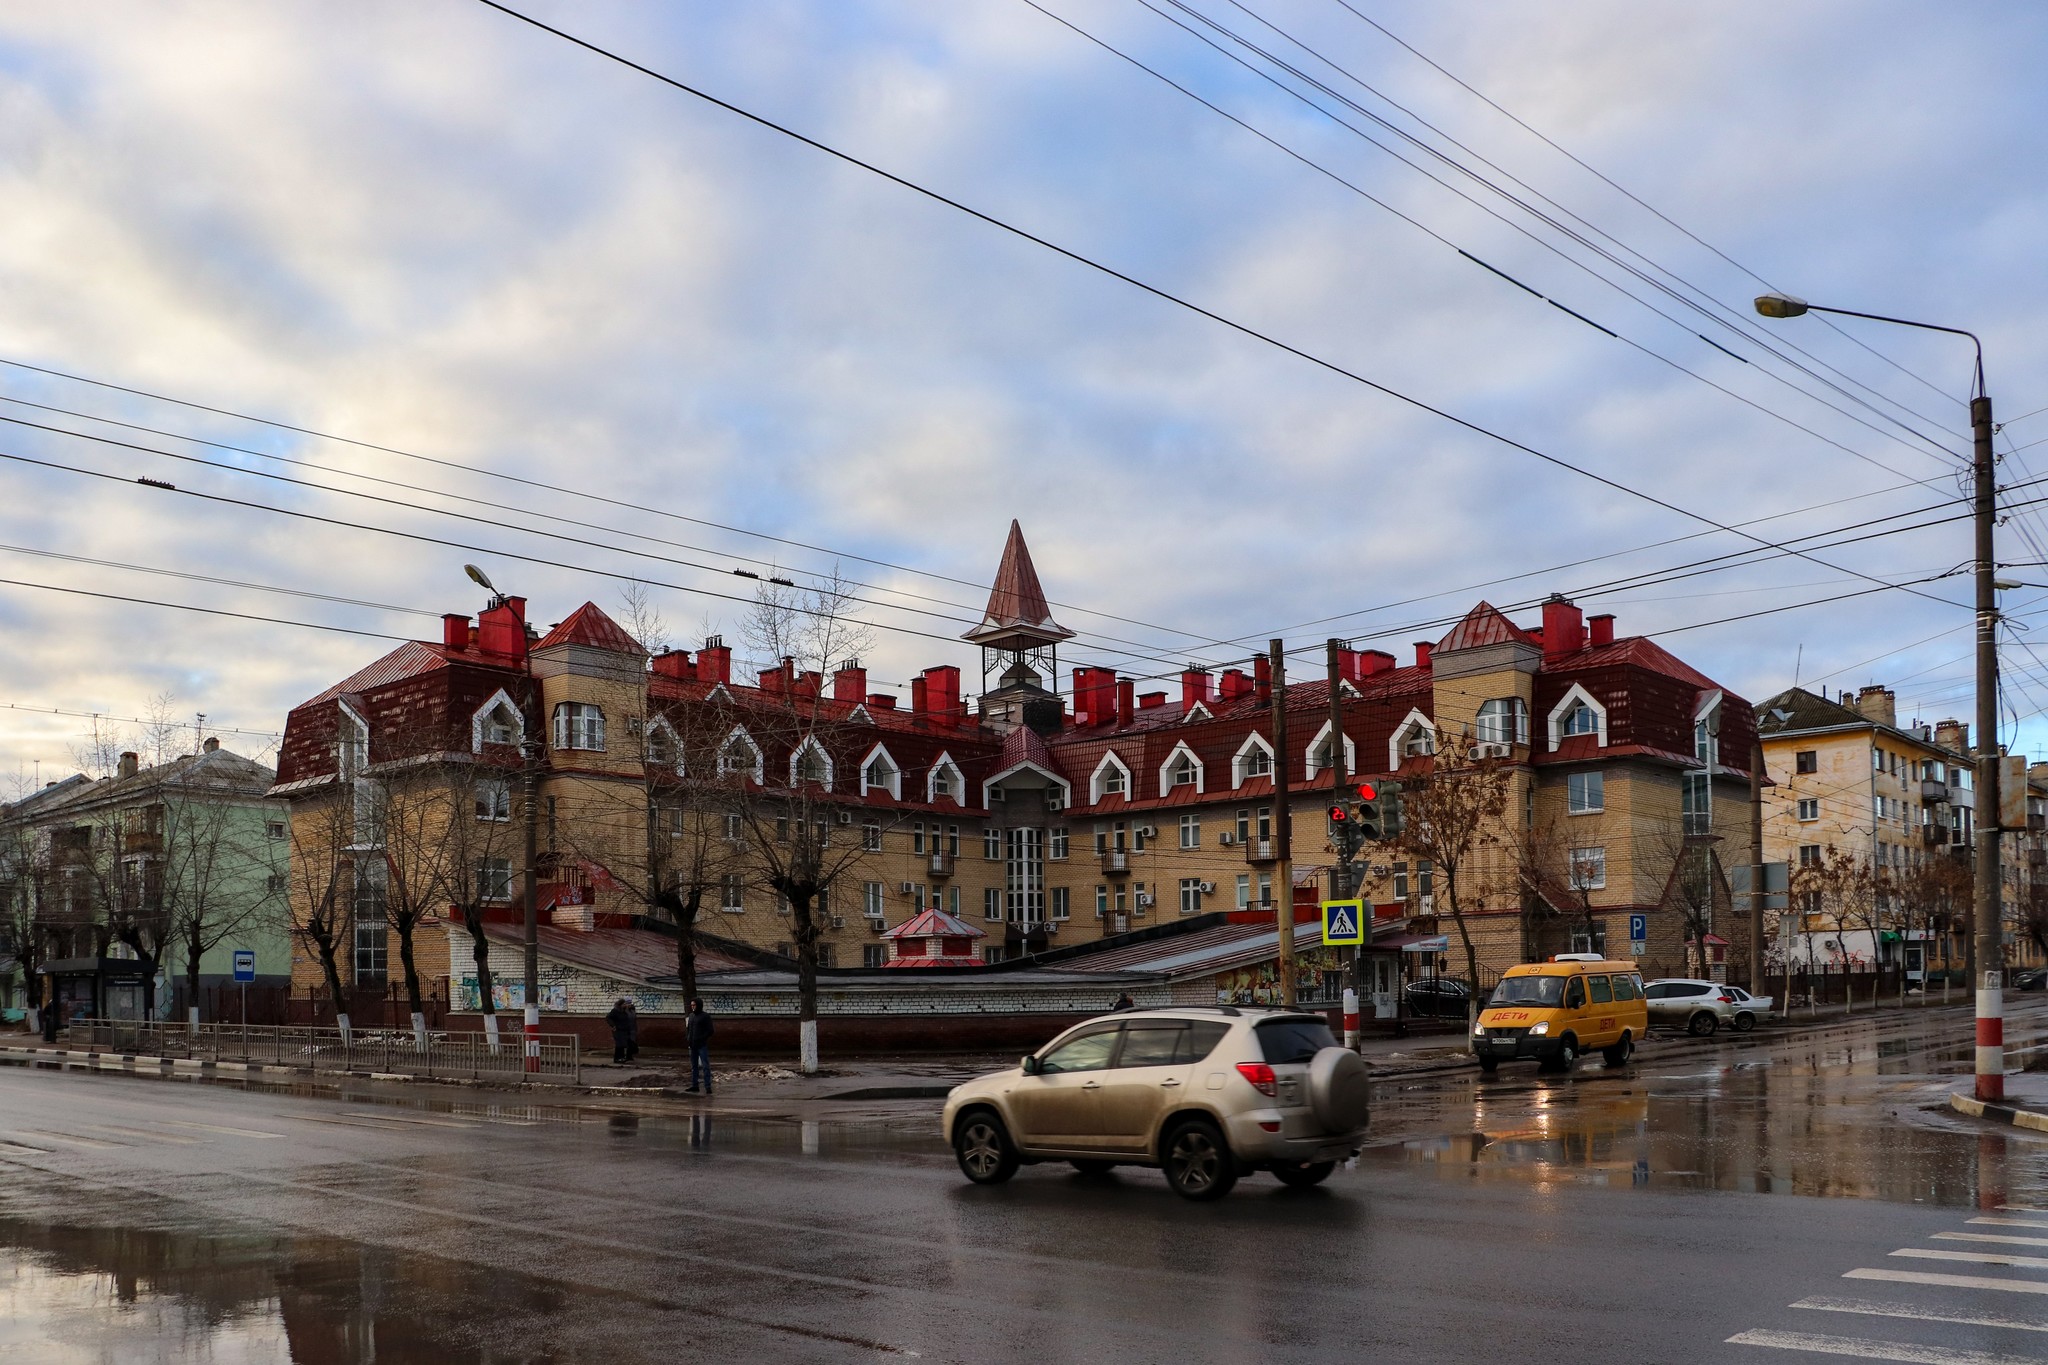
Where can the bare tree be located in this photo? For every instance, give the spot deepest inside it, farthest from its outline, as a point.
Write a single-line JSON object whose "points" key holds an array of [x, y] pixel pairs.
{"points": [[483, 844], [1454, 817], [323, 876], [21, 926], [781, 780], [411, 816], [220, 871], [1846, 888], [1552, 862]]}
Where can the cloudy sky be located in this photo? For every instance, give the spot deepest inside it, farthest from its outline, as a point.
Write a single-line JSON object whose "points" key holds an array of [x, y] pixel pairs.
{"points": [[484, 256]]}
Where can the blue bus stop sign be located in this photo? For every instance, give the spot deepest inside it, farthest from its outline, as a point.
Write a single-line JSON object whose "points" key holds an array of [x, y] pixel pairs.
{"points": [[245, 965]]}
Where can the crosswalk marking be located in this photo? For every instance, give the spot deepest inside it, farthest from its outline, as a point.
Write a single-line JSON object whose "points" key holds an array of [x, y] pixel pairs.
{"points": [[1951, 1281], [217, 1128], [1990, 1237], [147, 1135], [1866, 1349], [2020, 1208], [2008, 1223], [412, 1118], [1879, 1308], [1977, 1257]]}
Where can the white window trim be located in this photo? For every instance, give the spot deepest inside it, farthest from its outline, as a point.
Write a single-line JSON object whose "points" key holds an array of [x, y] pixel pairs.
{"points": [[989, 784], [1199, 711], [1709, 704], [675, 740], [796, 758], [1572, 697], [739, 732], [860, 713], [350, 716], [483, 714], [1109, 760], [895, 785], [1600, 809], [1308, 758], [1252, 741], [944, 763], [1181, 750], [1414, 720]]}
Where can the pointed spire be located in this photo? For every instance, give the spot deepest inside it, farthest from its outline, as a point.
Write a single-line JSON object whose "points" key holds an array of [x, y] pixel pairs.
{"points": [[1017, 615]]}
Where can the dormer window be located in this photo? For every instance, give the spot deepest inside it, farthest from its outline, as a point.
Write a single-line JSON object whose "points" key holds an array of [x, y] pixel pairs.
{"points": [[1578, 712], [1253, 759], [663, 749], [353, 746], [879, 775], [1182, 772], [946, 782], [740, 755], [1504, 720], [1111, 778], [811, 764], [1414, 737], [1258, 763], [499, 725], [1580, 720]]}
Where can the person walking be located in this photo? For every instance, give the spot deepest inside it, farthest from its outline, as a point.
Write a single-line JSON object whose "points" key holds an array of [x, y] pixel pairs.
{"points": [[53, 1017], [621, 1021], [697, 1032], [632, 1032], [1123, 1002]]}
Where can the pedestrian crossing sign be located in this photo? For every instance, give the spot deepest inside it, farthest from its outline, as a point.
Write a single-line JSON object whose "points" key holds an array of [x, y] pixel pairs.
{"points": [[1343, 922]]}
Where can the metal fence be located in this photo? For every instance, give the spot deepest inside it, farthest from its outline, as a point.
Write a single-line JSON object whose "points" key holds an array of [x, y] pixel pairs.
{"points": [[452, 1055]]}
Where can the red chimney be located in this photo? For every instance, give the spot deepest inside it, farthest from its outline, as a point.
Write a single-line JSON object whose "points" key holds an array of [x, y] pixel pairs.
{"points": [[714, 661], [942, 692], [1564, 627], [1373, 661], [1236, 685], [918, 695], [1262, 676], [1603, 628], [673, 663], [849, 683], [455, 630], [810, 684], [1194, 687], [1151, 701], [1422, 648], [501, 630], [1094, 696], [881, 701], [1126, 705]]}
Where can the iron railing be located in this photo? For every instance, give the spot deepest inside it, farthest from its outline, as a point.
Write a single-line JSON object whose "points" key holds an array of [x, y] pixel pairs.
{"points": [[394, 1051]]}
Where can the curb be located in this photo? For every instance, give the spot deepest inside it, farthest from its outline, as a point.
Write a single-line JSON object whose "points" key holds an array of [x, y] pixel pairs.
{"points": [[1999, 1113]]}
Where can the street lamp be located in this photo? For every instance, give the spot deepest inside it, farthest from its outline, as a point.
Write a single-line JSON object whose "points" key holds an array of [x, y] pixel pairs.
{"points": [[1986, 903]]}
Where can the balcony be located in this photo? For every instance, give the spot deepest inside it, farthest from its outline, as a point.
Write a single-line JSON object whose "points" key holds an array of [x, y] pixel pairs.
{"points": [[1933, 789], [942, 864], [1116, 861], [1934, 836], [1260, 851], [141, 843], [1698, 822]]}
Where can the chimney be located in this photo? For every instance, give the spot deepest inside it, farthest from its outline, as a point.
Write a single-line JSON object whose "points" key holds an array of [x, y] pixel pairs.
{"points": [[1371, 661], [809, 684], [501, 630], [1262, 677], [131, 763], [1879, 704], [1953, 735], [1422, 648], [781, 679], [1236, 685], [1126, 704], [849, 682], [942, 692], [1564, 627], [918, 695], [1094, 696], [1350, 664], [1151, 701], [1603, 628], [455, 630], [1194, 687], [714, 661], [881, 701], [212, 743], [673, 663]]}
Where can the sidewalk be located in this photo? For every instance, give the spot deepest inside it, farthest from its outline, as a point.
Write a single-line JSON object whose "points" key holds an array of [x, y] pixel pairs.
{"points": [[2026, 1102]]}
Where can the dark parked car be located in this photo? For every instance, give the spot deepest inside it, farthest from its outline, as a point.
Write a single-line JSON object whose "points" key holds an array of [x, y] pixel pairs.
{"points": [[2030, 979], [1437, 997]]}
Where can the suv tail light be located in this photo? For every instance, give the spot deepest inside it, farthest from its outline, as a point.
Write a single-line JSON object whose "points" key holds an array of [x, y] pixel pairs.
{"points": [[1727, 999], [1261, 1076]]}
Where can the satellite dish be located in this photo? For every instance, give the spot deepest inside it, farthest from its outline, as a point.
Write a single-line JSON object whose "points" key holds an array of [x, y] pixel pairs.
{"points": [[476, 576]]}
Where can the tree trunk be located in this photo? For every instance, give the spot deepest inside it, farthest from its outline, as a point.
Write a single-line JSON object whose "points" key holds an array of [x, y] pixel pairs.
{"points": [[330, 970], [1465, 937], [193, 936], [480, 953], [800, 897], [404, 925], [682, 911]]}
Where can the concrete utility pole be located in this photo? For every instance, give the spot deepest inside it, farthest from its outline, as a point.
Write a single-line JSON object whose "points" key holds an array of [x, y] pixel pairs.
{"points": [[1343, 875], [1986, 903], [529, 786], [1283, 827], [1759, 899]]}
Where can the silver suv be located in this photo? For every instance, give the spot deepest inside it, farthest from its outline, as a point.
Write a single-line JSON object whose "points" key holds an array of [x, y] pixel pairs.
{"points": [[1207, 1093]]}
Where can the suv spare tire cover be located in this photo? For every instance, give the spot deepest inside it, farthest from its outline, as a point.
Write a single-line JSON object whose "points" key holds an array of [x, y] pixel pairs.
{"points": [[1339, 1088]]}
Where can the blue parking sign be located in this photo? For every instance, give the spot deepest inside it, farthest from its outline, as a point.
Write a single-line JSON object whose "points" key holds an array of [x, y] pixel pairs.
{"points": [[245, 964], [1638, 928]]}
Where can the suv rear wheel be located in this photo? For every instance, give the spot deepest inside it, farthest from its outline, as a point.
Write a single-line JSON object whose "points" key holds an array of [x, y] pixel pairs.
{"points": [[1702, 1024], [983, 1149], [1197, 1160], [1304, 1174], [1744, 1022]]}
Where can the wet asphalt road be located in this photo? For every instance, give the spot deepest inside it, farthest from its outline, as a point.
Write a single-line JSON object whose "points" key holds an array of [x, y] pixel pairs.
{"points": [[1789, 1192]]}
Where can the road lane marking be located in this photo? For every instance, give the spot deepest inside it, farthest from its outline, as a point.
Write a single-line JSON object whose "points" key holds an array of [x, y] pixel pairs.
{"points": [[342, 1123], [1950, 1281], [1989, 1237], [25, 1147], [2009, 1222], [217, 1128], [1879, 1308], [1864, 1349], [73, 1139], [149, 1135], [408, 1118], [1977, 1257], [2020, 1208]]}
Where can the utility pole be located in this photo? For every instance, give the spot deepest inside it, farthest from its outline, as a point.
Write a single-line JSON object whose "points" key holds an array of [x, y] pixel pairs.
{"points": [[1759, 900], [1343, 875], [1283, 828], [529, 786], [1989, 901]]}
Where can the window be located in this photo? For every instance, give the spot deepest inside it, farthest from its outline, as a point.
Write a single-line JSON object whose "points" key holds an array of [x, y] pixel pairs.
{"points": [[1809, 809], [1809, 855], [1190, 896], [579, 725], [369, 915], [1153, 1045], [499, 725], [1265, 823], [1706, 739], [953, 840], [1111, 778], [1254, 760], [275, 829], [1624, 987], [952, 901], [1244, 826], [1806, 761], [733, 895], [1581, 719], [355, 744], [1137, 837], [1059, 902], [917, 897], [945, 781], [881, 775], [1183, 771], [1057, 844], [741, 755], [1586, 792], [917, 836], [1191, 831], [1425, 877], [992, 844], [1244, 890], [809, 764], [1400, 881], [1589, 869], [1596, 942], [494, 799], [1877, 760], [733, 829], [663, 750], [493, 879], [871, 836], [991, 956], [274, 885], [1101, 902], [871, 899], [1089, 1052], [1698, 799], [1504, 720], [874, 955], [1101, 837], [991, 903]]}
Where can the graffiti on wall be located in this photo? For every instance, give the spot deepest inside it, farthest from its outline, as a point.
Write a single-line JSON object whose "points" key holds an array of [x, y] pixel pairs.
{"points": [[1259, 984], [510, 995]]}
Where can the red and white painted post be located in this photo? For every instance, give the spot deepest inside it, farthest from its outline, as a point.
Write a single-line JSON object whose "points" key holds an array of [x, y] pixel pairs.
{"points": [[1351, 1019], [1991, 1036], [532, 1036]]}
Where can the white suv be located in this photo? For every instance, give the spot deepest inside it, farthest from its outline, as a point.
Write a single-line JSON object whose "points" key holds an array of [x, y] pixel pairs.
{"points": [[1208, 1093], [1700, 1007]]}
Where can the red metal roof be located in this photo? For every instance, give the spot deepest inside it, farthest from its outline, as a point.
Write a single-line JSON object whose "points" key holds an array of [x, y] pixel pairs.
{"points": [[934, 923], [630, 954], [1484, 625], [1017, 600], [588, 625]]}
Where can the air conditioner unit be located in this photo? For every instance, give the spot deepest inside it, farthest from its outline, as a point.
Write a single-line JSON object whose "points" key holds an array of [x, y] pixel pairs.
{"points": [[1144, 900], [906, 888], [878, 924], [1052, 928], [839, 921], [1489, 751], [1226, 840], [1148, 831], [1208, 888], [846, 817], [1054, 801]]}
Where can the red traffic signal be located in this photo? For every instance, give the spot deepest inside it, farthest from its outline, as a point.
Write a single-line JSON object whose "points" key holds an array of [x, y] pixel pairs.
{"points": [[1367, 792], [1338, 815]]}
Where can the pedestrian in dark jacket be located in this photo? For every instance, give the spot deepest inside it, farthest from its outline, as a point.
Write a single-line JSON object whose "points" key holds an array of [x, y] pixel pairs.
{"points": [[621, 1021], [697, 1032], [1123, 1002], [53, 1016], [632, 1032]]}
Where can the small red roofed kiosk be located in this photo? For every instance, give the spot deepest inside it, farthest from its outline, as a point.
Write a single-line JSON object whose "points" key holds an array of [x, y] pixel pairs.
{"points": [[933, 939]]}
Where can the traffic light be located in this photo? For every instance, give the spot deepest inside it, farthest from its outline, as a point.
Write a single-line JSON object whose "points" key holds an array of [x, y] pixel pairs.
{"points": [[1379, 812], [1343, 832]]}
